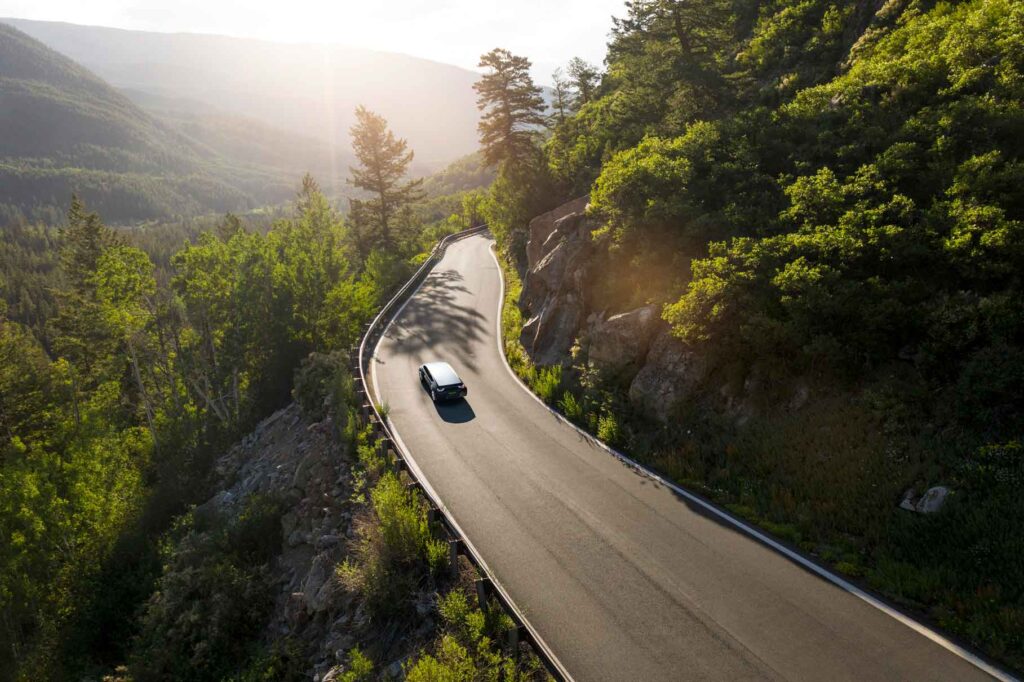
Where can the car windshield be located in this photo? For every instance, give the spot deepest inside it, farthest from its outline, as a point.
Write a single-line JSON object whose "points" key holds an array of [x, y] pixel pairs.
{"points": [[443, 374]]}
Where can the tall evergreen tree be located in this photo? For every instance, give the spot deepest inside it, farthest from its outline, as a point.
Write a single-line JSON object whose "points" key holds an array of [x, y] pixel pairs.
{"points": [[561, 103], [80, 332], [697, 31], [512, 108], [383, 163], [583, 77]]}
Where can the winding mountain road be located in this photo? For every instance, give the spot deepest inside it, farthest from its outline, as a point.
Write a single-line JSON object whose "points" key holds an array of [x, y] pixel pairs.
{"points": [[623, 576]]}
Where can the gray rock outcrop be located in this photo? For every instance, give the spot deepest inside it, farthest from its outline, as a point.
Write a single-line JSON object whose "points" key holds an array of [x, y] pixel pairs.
{"points": [[542, 227], [553, 296], [670, 374], [930, 503], [618, 345]]}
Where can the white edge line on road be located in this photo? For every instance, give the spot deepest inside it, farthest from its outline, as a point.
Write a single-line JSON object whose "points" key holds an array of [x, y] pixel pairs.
{"points": [[433, 493], [911, 623]]}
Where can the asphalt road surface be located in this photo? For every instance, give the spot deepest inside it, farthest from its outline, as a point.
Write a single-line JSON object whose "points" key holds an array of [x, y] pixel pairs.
{"points": [[623, 577]]}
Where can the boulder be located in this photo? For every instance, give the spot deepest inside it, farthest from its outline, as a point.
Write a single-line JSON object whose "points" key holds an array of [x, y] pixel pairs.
{"points": [[543, 225], [549, 335], [318, 585], [553, 288], [563, 266], [670, 373], [931, 502], [619, 344]]}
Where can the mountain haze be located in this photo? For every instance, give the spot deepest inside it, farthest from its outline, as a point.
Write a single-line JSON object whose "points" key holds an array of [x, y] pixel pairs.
{"points": [[64, 130], [311, 90]]}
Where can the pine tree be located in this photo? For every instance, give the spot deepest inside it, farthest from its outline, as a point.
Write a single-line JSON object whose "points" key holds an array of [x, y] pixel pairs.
{"points": [[512, 109], [561, 105], [80, 332], [383, 163], [583, 77]]}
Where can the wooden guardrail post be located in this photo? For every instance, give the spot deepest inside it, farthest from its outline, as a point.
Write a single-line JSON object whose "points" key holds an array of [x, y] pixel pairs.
{"points": [[453, 556], [483, 591], [514, 635]]}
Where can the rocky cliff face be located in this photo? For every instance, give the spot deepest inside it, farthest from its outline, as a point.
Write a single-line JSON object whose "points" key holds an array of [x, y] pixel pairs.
{"points": [[306, 465], [633, 347], [553, 297], [289, 458]]}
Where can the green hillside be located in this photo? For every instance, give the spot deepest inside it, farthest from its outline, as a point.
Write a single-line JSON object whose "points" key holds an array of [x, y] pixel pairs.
{"points": [[65, 130]]}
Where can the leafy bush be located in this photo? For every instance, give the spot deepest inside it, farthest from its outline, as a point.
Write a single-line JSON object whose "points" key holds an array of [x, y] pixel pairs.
{"points": [[547, 382], [359, 668], [212, 601], [571, 407], [395, 551], [469, 647], [608, 429], [322, 381]]}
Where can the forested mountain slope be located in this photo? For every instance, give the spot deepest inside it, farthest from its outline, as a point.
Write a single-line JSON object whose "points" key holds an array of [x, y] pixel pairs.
{"points": [[62, 129], [310, 90], [823, 202]]}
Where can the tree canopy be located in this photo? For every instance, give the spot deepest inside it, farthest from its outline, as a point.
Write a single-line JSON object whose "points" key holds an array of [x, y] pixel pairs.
{"points": [[512, 107]]}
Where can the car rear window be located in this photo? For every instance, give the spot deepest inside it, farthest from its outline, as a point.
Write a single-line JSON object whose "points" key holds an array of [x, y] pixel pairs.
{"points": [[443, 374]]}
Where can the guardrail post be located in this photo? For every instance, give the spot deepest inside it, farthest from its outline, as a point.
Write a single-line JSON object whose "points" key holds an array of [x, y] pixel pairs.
{"points": [[483, 588], [513, 639], [453, 556], [397, 461]]}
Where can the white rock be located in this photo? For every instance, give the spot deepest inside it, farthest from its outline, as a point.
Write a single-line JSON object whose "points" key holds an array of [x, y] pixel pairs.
{"points": [[933, 500]]}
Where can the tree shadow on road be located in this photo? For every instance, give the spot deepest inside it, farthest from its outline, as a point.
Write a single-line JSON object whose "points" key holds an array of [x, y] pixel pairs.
{"points": [[433, 319]]}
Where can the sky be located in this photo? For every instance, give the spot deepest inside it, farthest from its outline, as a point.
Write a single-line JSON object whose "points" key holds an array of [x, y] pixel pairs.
{"points": [[549, 32]]}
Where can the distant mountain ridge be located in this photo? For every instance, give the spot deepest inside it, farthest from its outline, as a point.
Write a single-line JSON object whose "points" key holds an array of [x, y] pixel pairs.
{"points": [[310, 90], [63, 130]]}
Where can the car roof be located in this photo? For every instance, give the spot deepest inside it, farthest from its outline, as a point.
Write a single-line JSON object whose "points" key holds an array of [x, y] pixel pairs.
{"points": [[443, 373]]}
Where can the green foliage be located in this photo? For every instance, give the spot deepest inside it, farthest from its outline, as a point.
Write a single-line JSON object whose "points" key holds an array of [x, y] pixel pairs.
{"points": [[517, 195], [608, 429], [110, 430], [284, 661], [823, 194], [323, 382], [212, 599], [383, 162], [359, 667], [547, 383], [571, 407], [395, 551], [468, 649], [512, 109]]}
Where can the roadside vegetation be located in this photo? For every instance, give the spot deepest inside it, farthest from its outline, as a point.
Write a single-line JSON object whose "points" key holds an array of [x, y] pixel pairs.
{"points": [[398, 555]]}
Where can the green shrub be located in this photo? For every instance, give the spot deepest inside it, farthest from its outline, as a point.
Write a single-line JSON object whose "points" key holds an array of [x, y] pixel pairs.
{"points": [[469, 648], [212, 601], [608, 429], [359, 668], [547, 383], [571, 407], [323, 383], [395, 551]]}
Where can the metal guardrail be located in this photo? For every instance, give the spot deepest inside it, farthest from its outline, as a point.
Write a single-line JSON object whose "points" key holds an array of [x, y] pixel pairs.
{"points": [[488, 587]]}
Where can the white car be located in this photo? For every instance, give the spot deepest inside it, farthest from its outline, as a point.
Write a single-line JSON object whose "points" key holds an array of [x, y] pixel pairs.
{"points": [[441, 381]]}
